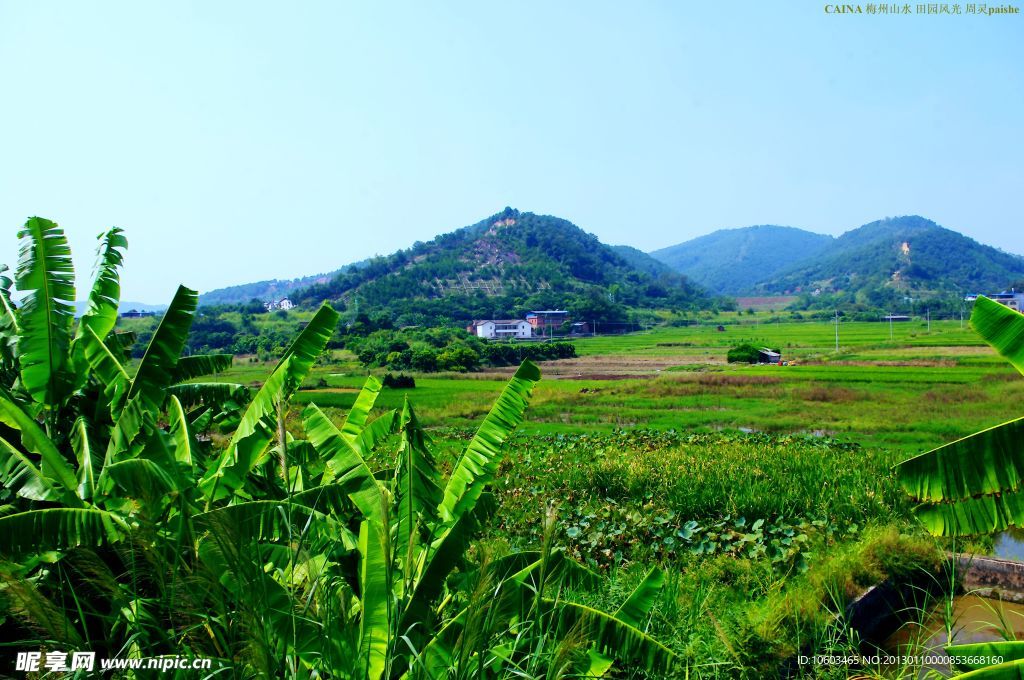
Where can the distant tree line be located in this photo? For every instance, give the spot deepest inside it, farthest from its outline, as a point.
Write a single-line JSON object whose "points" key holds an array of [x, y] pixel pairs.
{"points": [[447, 349]]}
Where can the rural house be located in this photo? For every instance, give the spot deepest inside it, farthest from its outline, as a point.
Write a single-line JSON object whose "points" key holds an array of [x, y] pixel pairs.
{"points": [[547, 318], [1011, 299], [283, 303], [136, 314], [768, 356], [493, 329]]}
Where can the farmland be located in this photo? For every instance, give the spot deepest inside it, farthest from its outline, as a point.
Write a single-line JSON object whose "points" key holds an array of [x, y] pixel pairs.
{"points": [[766, 491], [914, 392]]}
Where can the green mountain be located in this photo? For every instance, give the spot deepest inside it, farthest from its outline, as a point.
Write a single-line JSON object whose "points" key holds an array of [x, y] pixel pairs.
{"points": [[638, 259], [264, 291], [900, 257], [735, 261], [506, 265]]}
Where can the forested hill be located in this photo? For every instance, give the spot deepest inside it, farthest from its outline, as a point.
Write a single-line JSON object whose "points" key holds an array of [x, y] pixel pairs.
{"points": [[271, 289], [638, 259], [505, 265], [735, 261], [901, 256]]}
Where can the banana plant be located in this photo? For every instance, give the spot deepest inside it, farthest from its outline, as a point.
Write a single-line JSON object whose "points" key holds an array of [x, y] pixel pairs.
{"points": [[96, 459], [70, 409], [278, 555], [413, 532], [974, 485], [351, 570]]}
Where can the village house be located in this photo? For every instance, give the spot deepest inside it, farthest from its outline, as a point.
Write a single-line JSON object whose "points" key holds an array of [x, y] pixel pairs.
{"points": [[547, 318], [494, 329], [1011, 299], [136, 314], [283, 303]]}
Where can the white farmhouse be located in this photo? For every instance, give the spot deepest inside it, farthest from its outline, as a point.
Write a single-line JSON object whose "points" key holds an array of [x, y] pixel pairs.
{"points": [[283, 303], [494, 329]]}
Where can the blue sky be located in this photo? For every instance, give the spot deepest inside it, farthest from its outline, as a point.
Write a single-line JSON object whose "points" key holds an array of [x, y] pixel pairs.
{"points": [[237, 141]]}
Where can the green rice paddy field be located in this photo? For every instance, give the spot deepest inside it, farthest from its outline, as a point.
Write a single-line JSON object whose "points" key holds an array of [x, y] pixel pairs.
{"points": [[912, 393], [767, 492]]}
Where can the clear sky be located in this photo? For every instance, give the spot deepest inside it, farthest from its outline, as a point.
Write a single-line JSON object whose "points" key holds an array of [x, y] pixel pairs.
{"points": [[238, 141]]}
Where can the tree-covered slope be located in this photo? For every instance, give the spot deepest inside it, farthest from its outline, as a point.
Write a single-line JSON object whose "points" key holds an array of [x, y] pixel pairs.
{"points": [[640, 260], [507, 263], [902, 254], [735, 261], [271, 289]]}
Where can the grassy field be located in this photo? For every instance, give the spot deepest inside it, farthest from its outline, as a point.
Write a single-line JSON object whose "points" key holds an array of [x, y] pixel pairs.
{"points": [[767, 491], [916, 392]]}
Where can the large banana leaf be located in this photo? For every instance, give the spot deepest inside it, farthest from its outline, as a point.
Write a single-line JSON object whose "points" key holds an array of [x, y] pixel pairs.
{"points": [[1008, 670], [374, 597], [185, 445], [128, 436], [273, 520], [983, 463], [59, 529], [52, 465], [1002, 327], [81, 442], [8, 318], [417, 487], [106, 368], [257, 427], [357, 416], [1008, 650], [101, 311], [46, 279], [345, 466], [458, 511], [199, 365], [141, 479], [9, 328], [19, 474], [479, 462], [613, 637], [641, 601], [974, 485], [158, 365], [433, 567]]}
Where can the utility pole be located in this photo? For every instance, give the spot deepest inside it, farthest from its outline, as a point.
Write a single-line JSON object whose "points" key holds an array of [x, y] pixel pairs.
{"points": [[890, 326], [928, 312], [837, 330]]}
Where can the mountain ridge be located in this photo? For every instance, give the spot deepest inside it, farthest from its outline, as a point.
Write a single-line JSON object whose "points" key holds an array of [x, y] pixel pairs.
{"points": [[510, 262], [909, 253], [733, 261], [513, 260]]}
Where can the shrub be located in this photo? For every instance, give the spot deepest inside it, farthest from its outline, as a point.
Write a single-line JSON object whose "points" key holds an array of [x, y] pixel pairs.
{"points": [[745, 353], [399, 382]]}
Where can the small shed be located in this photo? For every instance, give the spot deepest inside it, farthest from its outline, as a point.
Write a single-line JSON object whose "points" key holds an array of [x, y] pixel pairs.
{"points": [[768, 356]]}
